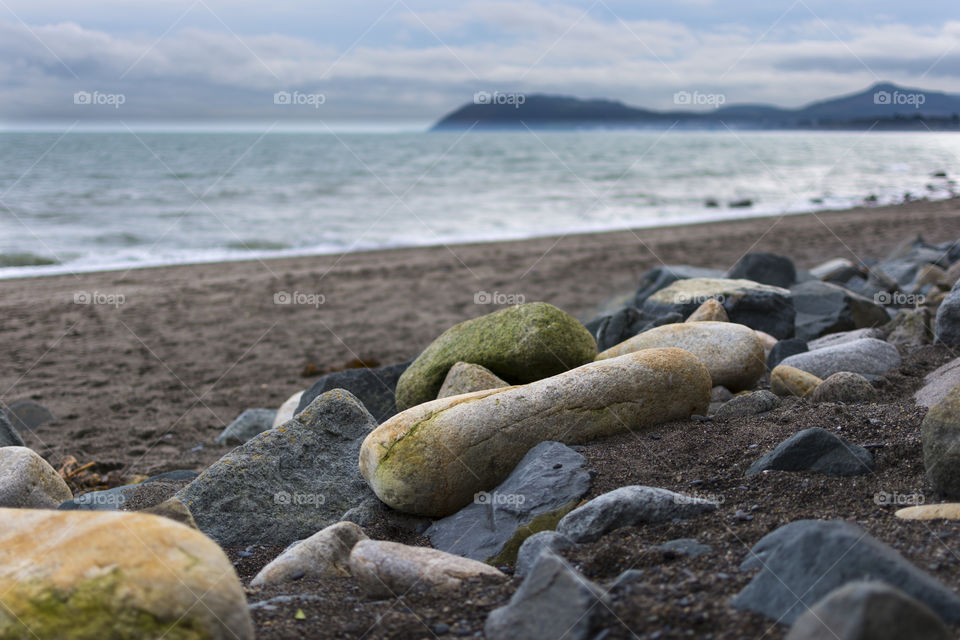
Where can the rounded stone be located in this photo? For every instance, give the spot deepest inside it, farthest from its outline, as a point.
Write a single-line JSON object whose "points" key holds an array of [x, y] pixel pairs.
{"points": [[790, 381], [464, 377], [709, 311], [28, 481], [325, 554], [844, 386], [944, 511]]}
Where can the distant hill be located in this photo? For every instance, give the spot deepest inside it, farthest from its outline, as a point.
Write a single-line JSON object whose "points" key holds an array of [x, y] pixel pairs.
{"points": [[883, 106]]}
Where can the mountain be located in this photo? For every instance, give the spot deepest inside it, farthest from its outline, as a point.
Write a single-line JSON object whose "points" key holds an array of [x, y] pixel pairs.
{"points": [[882, 106]]}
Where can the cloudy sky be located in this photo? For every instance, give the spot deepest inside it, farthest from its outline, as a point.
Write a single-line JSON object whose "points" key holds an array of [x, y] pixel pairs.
{"points": [[410, 60]]}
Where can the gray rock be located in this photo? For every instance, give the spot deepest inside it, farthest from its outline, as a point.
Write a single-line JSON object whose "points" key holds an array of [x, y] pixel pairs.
{"points": [[784, 349], [843, 337], [802, 562], [464, 377], [248, 424], [865, 610], [132, 497], [371, 512], [824, 308], [554, 601], [534, 546], [940, 436], [910, 328], [685, 547], [27, 481], [937, 384], [868, 356], [844, 387], [748, 405], [373, 387], [9, 436], [628, 507], [836, 270], [815, 450], [28, 415], [765, 268], [623, 324], [947, 325], [546, 485], [287, 483], [662, 277]]}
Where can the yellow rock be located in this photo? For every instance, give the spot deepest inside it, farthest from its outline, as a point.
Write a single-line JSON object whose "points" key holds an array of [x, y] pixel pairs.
{"points": [[767, 340], [790, 381], [709, 311], [945, 511]]}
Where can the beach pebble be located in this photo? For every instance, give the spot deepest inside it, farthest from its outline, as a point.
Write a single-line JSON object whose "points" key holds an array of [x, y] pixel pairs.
{"points": [[910, 328], [731, 352], [28, 415], [373, 387], [747, 404], [940, 435], [553, 601], [287, 483], [660, 278], [325, 554], [938, 383], [287, 410], [844, 387], [868, 356], [947, 325], [758, 306], [248, 424], [629, 507], [784, 349], [803, 561], [790, 381], [709, 311], [73, 574], [464, 377], [843, 337], [824, 308], [943, 511], [818, 450], [9, 436], [765, 268], [767, 341], [534, 546], [416, 462], [547, 483], [868, 610], [685, 547], [28, 481], [387, 569], [835, 270], [520, 344]]}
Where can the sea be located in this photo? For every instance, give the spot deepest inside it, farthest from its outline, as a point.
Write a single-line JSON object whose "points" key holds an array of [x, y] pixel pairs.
{"points": [[75, 198]]}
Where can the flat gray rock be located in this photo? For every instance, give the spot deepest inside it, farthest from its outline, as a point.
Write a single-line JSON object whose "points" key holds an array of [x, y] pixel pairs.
{"points": [[248, 424], [287, 483], [628, 507], [802, 562], [816, 450], [867, 356]]}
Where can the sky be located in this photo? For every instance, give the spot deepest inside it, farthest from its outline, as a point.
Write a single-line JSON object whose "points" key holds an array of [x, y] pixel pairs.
{"points": [[412, 61]]}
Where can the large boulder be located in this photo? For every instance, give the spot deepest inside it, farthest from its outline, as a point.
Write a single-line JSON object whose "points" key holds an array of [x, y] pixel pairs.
{"points": [[824, 308], [373, 387], [28, 481], [287, 483], [520, 344], [92, 575], [868, 356], [432, 459], [758, 306], [940, 435], [731, 352], [765, 268]]}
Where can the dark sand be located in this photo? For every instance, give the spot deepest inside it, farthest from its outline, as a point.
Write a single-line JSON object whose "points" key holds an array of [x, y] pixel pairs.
{"points": [[146, 386]]}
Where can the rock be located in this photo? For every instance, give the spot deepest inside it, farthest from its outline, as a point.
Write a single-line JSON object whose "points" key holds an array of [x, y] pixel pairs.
{"points": [[947, 325], [287, 483], [547, 484], [373, 387], [748, 404], [624, 324], [629, 507], [520, 344], [248, 424], [731, 352], [938, 384], [660, 278], [534, 546], [767, 341], [844, 387], [758, 306], [765, 268], [287, 410], [371, 512], [836, 270], [720, 394], [784, 349], [27, 481], [709, 311], [467, 378], [803, 561], [940, 435], [844, 337], [554, 601], [386, 569], [175, 510], [9, 437], [28, 415], [910, 328], [824, 308], [325, 554], [945, 511], [685, 547], [868, 356], [131, 497], [790, 381], [816, 450], [865, 610], [92, 575], [433, 459]]}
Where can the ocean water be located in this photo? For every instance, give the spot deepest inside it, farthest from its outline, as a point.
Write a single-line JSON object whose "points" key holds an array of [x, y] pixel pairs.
{"points": [[86, 200]]}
